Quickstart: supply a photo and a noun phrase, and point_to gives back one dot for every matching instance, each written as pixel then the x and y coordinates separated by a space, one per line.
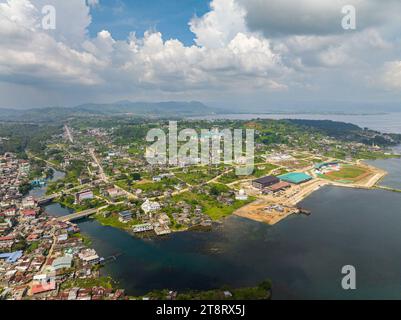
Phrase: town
pixel 101 172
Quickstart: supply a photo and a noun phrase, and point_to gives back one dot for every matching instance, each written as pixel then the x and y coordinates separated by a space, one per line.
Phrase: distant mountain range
pixel 121 108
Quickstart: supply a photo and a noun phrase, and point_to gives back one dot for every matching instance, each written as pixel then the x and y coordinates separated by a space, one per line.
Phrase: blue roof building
pixel 11 257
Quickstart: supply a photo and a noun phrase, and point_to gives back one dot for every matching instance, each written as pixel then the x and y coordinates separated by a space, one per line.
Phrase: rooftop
pixel 295 177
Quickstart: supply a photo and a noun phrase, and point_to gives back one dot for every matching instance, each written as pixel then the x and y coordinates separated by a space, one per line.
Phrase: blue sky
pixel 170 17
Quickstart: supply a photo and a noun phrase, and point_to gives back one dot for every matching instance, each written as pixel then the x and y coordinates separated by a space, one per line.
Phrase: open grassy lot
pixel 259 171
pixel 105 282
pixel 197 176
pixel 213 208
pixel 347 174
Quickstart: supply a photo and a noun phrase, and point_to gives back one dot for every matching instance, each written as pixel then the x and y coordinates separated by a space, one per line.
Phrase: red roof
pixel 7 238
pixel 29 212
pixel 40 288
pixel 32 237
pixel 279 186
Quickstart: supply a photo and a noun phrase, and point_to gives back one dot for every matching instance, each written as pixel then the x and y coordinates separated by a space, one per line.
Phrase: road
pixel 102 174
pixel 68 134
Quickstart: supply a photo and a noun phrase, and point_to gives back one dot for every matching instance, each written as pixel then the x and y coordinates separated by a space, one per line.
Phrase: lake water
pixel 386 122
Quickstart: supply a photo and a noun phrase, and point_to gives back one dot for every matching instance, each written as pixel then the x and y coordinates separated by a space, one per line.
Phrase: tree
pixel 136 176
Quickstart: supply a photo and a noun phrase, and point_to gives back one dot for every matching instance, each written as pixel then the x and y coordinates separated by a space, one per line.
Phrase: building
pixel 242 196
pixel 62 237
pixel 265 182
pixel 28 202
pixel 84 195
pixel 282 185
pixel 142 228
pixel 44 288
pixel 114 192
pixel 125 216
pixel 150 206
pixel 7 241
pixel 62 263
pixel 12 257
pixel 89 256
pixel 295 177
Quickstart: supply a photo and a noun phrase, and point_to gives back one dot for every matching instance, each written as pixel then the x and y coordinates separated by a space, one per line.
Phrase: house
pixel 265 182
pixel 142 227
pixel 11 212
pixel 12 257
pixel 28 202
pixel 4 227
pixel 7 241
pixel 43 288
pixel 62 263
pixel 89 256
pixel 150 206
pixel 29 213
pixel 125 216
pixel 242 196
pixel 114 192
pixel 62 237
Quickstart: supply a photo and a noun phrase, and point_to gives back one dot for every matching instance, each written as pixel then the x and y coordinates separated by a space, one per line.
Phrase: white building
pixel 89 256
pixel 28 202
pixel 150 206
pixel 241 195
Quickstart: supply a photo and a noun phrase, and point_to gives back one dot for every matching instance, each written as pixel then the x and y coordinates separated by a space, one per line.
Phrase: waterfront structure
pixel 142 228
pixel 89 256
pixel 125 216
pixel 265 182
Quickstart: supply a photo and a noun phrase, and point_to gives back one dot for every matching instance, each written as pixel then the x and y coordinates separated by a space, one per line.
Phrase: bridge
pixel 46 199
pixel 78 215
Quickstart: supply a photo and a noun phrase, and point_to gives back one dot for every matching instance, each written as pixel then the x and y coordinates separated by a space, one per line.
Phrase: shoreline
pixel 288 205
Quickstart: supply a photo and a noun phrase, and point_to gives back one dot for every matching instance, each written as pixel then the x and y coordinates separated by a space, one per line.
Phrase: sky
pixel 243 55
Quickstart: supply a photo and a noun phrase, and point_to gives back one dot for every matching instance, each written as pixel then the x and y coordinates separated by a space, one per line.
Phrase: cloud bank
pixel 254 49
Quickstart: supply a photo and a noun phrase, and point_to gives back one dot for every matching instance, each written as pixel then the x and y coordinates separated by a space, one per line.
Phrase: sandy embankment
pixel 260 210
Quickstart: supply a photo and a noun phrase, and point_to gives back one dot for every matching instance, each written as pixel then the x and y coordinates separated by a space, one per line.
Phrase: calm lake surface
pixel 302 255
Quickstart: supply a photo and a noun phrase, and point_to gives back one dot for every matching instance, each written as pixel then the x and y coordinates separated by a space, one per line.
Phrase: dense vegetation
pixel 259 292
pixel 349 132
pixel 18 138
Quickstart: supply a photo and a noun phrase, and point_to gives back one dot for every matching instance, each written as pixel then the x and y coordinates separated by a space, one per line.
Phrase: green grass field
pixel 349 173
pixel 213 208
